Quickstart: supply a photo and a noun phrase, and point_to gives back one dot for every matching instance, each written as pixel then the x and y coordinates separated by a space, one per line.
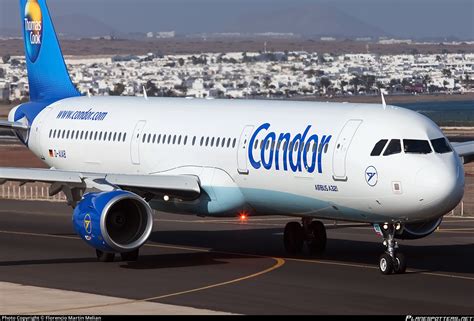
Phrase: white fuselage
pixel 337 179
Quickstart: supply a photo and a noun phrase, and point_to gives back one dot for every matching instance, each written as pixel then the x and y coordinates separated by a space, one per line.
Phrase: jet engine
pixel 419 230
pixel 117 221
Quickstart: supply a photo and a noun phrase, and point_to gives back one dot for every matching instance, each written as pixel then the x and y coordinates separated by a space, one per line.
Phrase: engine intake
pixel 117 221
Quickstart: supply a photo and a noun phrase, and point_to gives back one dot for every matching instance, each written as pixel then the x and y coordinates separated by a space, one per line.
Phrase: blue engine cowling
pixel 117 221
pixel 414 231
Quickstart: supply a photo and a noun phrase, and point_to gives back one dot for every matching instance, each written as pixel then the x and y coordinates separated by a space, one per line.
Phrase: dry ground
pixel 87 47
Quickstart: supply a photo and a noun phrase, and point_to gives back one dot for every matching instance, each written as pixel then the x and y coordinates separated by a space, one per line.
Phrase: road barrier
pixel 29 192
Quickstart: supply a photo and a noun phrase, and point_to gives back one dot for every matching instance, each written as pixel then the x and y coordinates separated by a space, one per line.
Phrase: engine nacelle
pixel 419 230
pixel 117 221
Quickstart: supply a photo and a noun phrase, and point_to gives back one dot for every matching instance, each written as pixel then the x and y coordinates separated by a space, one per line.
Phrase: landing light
pixel 243 217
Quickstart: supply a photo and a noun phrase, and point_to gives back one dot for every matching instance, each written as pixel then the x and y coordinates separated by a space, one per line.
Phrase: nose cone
pixel 441 185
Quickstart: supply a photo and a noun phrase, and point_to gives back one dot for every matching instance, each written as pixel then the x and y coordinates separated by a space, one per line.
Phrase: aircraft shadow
pixel 161 261
pixel 456 258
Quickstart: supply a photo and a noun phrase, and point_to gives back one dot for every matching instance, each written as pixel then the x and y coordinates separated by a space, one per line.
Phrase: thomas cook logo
pixel 33 29
pixel 88 224
pixel 371 176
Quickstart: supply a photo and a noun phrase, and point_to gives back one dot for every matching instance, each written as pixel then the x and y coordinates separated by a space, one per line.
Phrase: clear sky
pixel 401 18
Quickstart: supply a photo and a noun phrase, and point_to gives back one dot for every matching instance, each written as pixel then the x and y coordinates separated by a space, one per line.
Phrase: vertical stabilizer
pixel 48 77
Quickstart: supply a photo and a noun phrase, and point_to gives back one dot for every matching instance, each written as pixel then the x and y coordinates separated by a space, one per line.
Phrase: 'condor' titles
pixel 284 152
pixel 33 29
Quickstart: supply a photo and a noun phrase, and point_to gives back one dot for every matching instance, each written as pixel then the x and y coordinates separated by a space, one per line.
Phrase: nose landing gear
pixel 391 261
pixel 312 233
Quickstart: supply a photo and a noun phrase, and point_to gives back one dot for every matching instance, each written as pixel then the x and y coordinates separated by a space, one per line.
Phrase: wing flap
pixel 39 175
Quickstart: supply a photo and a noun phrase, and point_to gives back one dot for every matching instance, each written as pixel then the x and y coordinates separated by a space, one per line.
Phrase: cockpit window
pixel 441 146
pixel 379 147
pixel 393 147
pixel 415 146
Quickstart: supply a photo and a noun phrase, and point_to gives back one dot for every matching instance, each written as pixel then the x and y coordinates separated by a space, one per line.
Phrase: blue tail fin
pixel 47 73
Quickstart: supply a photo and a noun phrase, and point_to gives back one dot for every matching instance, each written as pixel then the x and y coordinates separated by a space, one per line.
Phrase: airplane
pixel 119 158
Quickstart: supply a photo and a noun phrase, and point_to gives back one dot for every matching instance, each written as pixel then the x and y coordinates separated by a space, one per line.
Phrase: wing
pixel 465 150
pixel 73 184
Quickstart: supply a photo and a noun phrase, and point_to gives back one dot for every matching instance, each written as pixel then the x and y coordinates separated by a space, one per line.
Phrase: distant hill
pixel 310 20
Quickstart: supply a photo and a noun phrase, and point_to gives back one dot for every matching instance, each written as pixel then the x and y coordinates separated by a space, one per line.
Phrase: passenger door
pixel 342 146
pixel 135 142
pixel 242 150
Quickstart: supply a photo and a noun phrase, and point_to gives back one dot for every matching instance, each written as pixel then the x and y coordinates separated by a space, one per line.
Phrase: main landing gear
pixel 391 261
pixel 312 233
pixel 109 257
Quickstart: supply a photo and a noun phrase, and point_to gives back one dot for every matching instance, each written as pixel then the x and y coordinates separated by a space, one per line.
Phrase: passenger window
pixel 100 136
pixel 110 136
pixel 54 133
pixel 228 142
pixel 153 141
pixel 194 140
pixel 235 142
pixel 164 139
pixel 185 140
pixel 174 139
pixel 159 139
pixel 218 141
pixel 393 147
pixel 415 146
pixel 179 140
pixel 207 141
pixel 143 138
pixel 212 142
pixel 441 145
pixel 378 148
pixel 119 137
pixel 256 144
pixel 77 135
pixel 64 133
pixel 326 147
pixel 169 139
pixel 148 141
pixel 95 135
pixel 115 136
pixel 124 136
